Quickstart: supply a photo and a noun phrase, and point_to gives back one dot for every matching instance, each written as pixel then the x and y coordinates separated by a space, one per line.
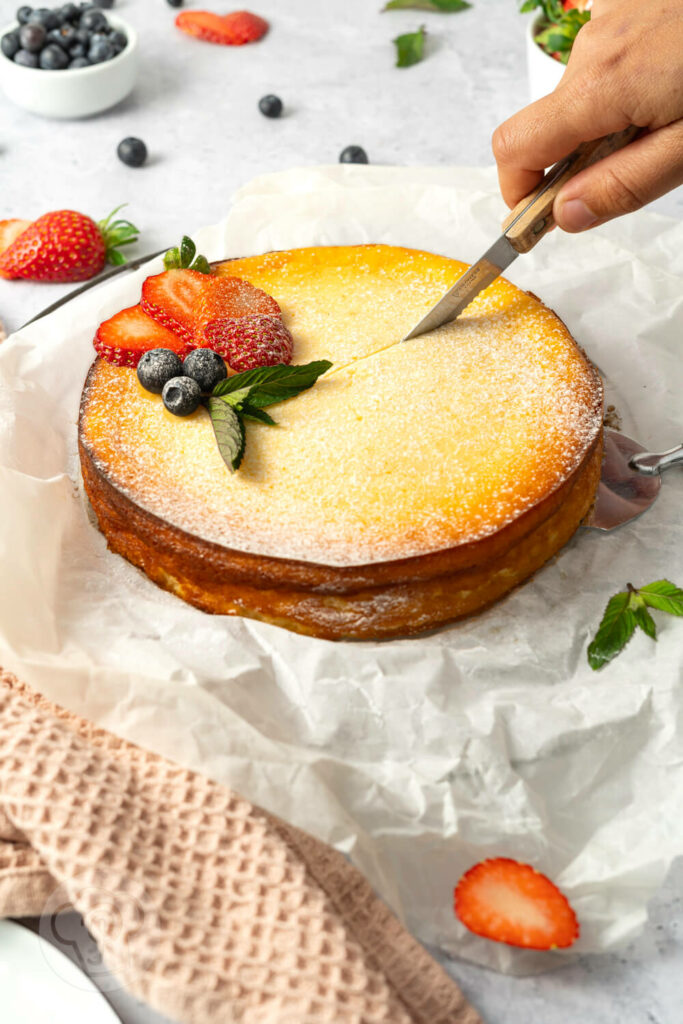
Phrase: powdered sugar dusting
pixel 404 448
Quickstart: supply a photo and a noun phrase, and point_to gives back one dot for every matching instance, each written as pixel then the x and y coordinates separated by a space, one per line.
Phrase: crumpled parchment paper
pixel 415 757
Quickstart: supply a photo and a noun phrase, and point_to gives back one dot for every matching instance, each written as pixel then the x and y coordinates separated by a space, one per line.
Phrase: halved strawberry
pixel 126 336
pixel 510 902
pixel 228 297
pixel 230 29
pixel 171 299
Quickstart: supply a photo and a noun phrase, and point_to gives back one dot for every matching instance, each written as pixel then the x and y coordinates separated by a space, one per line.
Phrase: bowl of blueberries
pixel 68 61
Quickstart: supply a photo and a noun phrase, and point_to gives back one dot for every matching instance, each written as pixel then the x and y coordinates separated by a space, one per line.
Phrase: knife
pixel 530 220
pixel 93 283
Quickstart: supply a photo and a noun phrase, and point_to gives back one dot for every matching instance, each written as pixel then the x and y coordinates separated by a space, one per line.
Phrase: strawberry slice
pixel 9 231
pixel 246 342
pixel 228 297
pixel 510 902
pixel 234 29
pixel 171 298
pixel 126 336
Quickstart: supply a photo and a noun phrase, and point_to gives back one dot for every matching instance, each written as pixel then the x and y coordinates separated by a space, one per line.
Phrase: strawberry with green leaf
pixel 67 246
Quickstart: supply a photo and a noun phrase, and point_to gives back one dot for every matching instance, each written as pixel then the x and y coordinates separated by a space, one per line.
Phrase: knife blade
pixel 530 220
pixel 134 264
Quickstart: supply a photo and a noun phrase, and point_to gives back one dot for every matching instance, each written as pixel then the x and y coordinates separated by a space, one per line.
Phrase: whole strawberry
pixel 66 246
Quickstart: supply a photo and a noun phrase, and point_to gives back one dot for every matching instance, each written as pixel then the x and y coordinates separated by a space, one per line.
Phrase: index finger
pixel 545 132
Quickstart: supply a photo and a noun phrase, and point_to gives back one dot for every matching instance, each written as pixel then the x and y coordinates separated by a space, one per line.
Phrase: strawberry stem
pixel 117 233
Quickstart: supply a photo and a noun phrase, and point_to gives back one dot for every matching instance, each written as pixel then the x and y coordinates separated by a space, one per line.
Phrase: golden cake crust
pixel 417 482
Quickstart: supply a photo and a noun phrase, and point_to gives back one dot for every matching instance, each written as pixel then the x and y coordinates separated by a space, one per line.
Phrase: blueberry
pixel 53 58
pixel 64 36
pixel 181 395
pixel 270 106
pixel 67 13
pixel 23 14
pixel 83 37
pixel 32 37
pixel 77 50
pixel 42 16
pixel 157 367
pixel 132 152
pixel 106 4
pixel 206 367
pixel 9 44
pixel 119 41
pixel 100 51
pixel 79 62
pixel 174 3
pixel 353 155
pixel 26 58
pixel 94 21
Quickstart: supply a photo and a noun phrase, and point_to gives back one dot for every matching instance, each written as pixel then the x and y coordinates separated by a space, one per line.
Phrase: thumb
pixel 624 181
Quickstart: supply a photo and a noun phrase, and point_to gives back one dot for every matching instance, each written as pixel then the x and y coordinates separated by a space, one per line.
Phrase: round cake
pixel 417 482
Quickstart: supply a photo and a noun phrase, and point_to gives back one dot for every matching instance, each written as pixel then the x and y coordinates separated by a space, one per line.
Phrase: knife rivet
pixel 538 226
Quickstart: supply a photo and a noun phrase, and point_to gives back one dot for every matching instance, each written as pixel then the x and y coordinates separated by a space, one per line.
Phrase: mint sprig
pixel 181 257
pixel 447 6
pixel 410 48
pixel 244 396
pixel 627 611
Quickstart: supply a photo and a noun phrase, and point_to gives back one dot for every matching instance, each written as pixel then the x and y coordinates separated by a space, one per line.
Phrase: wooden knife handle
pixel 532 217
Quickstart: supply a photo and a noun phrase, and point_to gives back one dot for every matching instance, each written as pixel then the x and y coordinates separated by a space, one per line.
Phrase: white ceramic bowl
pixel 77 92
pixel 543 70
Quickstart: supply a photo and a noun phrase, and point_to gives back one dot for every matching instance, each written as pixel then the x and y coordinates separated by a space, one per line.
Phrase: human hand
pixel 626 67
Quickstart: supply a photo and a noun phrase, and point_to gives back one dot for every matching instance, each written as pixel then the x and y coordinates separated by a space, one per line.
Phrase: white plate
pixel 38 982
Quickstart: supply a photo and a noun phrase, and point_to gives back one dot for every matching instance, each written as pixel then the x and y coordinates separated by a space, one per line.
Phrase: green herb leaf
pixel 446 6
pixel 187 251
pixel 271 384
pixel 229 430
pixel 180 258
pixel 616 629
pixel 172 259
pixel 410 48
pixel 201 265
pixel 663 595
pixel 252 412
pixel 627 610
pixel 645 621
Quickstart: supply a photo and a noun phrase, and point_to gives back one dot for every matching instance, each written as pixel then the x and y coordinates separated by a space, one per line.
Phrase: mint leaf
pixel 410 48
pixel 252 412
pixel 645 621
pixel 201 265
pixel 269 385
pixel 614 632
pixel 180 257
pixel 663 595
pixel 229 430
pixel 172 259
pixel 427 5
pixel 187 251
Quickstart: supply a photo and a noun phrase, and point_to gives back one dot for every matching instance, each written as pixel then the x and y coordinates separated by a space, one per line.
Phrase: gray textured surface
pixel 196 108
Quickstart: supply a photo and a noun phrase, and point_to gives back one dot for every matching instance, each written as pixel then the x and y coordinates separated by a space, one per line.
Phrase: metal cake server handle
pixel 654 463
pixel 93 283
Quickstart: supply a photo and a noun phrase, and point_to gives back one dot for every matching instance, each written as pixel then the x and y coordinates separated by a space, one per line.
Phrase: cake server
pixel 530 220
pixel 630 480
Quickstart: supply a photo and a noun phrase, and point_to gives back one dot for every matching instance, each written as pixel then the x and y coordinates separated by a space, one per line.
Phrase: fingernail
pixel 576 216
